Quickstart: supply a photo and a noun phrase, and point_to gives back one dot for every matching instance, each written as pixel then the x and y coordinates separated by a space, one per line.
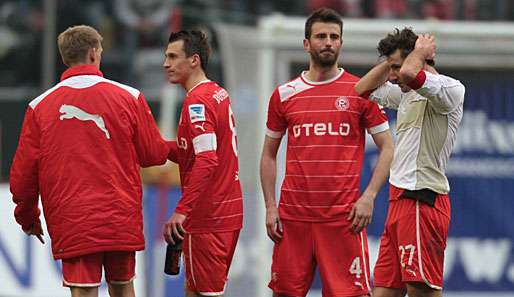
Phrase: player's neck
pixel 320 73
pixel 193 80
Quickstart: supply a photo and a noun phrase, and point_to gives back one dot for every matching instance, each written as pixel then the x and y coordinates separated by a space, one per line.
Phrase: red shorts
pixel 207 258
pixel 411 227
pixel 342 257
pixel 86 270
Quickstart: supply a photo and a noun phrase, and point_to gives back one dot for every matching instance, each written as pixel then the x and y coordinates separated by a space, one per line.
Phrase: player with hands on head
pixel 209 215
pixel 429 110
pixel 322 215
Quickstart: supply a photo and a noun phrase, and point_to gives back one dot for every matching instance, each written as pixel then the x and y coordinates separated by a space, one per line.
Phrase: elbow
pixel 359 88
pixel 157 161
pixel 386 147
pixel 387 150
pixel 407 74
pixel 207 159
pixel 267 158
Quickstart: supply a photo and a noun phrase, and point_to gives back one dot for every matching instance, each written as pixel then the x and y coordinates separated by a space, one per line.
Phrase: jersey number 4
pixel 355 268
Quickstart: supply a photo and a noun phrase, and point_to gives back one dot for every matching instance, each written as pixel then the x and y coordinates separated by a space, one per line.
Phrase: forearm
pixel 381 171
pixel 268 180
pixel 198 182
pixel 414 62
pixel 376 77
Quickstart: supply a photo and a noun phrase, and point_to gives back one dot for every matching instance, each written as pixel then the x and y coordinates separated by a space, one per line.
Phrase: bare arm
pixel 375 86
pixel 362 210
pixel 376 77
pixel 268 182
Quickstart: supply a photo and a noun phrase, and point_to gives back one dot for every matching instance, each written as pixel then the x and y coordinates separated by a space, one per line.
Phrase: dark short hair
pixel 322 15
pixel 195 42
pixel 403 40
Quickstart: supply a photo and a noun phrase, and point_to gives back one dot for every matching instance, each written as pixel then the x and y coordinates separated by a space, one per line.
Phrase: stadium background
pixel 257 44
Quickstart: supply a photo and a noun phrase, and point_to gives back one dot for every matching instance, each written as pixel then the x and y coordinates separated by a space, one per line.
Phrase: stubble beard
pixel 324 62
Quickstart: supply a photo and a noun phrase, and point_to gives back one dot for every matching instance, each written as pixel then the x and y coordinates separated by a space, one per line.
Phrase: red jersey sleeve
pixel 276 123
pixel 374 118
pixel 202 121
pixel 151 148
pixel 24 178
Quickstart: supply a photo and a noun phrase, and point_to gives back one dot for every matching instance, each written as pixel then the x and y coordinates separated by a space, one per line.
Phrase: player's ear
pixel 306 45
pixel 195 60
pixel 91 55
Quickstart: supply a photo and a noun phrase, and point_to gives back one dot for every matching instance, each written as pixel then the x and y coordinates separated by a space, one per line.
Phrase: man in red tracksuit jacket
pixel 81 148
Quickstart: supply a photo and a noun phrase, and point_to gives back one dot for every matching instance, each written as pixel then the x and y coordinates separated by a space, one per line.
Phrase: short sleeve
pixel 444 93
pixel 276 124
pixel 374 118
pixel 202 121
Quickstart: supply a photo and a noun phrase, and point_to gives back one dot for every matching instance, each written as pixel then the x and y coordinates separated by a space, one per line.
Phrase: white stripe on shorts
pixel 191 258
pixel 420 262
pixel 364 262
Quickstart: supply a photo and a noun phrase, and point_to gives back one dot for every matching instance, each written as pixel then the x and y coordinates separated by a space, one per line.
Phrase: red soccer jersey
pixel 207 124
pixel 326 123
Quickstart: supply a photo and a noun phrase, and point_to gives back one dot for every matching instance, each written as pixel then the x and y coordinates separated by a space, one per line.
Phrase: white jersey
pixel 427 121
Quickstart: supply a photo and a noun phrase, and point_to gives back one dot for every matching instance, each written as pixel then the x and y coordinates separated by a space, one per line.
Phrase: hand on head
pixel 426 44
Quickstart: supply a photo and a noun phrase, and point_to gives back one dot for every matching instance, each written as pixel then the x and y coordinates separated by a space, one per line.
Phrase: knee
pixel 419 289
pixel 282 295
pixel 122 290
pixel 84 291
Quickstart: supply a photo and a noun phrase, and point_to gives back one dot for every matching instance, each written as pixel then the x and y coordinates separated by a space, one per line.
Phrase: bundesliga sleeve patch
pixel 197 113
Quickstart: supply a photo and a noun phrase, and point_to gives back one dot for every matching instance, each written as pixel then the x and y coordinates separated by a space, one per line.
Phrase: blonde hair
pixel 75 42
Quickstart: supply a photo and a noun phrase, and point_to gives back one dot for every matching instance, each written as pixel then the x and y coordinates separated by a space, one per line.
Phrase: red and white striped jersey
pixel 207 125
pixel 326 123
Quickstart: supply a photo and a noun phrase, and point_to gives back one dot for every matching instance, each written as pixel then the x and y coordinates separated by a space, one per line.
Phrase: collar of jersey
pixel 310 82
pixel 199 83
pixel 84 69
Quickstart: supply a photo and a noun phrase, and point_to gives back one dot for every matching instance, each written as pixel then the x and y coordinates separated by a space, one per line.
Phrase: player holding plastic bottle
pixel 209 215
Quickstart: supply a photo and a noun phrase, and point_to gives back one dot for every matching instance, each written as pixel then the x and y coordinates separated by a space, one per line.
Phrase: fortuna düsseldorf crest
pixel 342 103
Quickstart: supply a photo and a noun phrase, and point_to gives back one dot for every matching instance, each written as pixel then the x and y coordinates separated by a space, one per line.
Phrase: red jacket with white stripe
pixel 81 147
